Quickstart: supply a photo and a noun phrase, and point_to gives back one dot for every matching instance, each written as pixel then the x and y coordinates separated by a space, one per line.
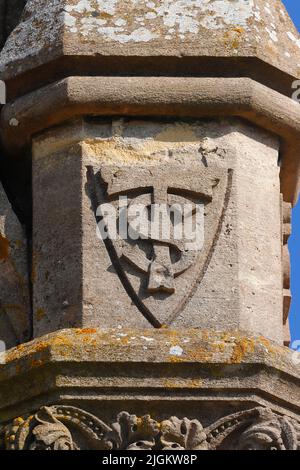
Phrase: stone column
pixel 186 104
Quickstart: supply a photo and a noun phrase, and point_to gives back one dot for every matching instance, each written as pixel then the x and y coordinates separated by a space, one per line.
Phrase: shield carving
pixel 171 218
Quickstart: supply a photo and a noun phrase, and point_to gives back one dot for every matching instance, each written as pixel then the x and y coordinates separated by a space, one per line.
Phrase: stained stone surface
pixel 85 383
pixel 114 27
pixel 72 428
pixel 14 285
pixel 81 281
pixel 152 37
pixel 149 344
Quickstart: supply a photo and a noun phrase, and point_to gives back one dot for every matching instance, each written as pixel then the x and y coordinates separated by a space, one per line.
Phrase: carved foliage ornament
pixel 70 428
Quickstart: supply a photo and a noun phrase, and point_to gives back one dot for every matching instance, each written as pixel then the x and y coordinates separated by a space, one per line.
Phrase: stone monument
pixel 148 342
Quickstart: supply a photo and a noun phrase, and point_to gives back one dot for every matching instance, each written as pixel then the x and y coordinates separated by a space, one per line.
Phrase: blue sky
pixel 293 7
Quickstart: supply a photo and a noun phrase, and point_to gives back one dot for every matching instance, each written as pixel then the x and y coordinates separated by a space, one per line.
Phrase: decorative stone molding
pixel 69 428
pixel 59 37
pixel 152 103
pixel 189 97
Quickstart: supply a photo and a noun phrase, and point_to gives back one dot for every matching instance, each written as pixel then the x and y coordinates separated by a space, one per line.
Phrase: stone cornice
pixel 75 97
pixel 201 361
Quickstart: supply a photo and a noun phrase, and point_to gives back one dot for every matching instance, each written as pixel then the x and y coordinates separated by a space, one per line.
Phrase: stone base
pixel 96 389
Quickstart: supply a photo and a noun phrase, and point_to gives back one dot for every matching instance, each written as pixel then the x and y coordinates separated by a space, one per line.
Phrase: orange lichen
pixel 241 348
pixel 213 349
pixel 18 421
pixel 232 38
pixel 199 354
pixel 188 383
pixel 85 331
pixel 238 30
pixel 176 359
pixel 36 363
pixel 105 15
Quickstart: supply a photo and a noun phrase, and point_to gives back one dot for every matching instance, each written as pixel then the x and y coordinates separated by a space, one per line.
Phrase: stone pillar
pixel 79 279
pixel 159 104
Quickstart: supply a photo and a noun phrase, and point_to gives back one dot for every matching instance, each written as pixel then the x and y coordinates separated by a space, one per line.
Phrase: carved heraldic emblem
pixel 160 267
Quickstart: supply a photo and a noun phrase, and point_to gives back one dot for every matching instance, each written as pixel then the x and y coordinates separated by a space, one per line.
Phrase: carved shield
pixel 160 273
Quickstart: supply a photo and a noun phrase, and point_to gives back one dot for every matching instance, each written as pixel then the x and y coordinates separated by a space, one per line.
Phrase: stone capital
pixel 91 378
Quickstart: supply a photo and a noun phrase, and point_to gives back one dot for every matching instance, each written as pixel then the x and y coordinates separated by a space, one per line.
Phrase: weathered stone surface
pixel 171 29
pixel 193 375
pixel 165 346
pixel 177 97
pixel 14 284
pixel 77 280
pixel 254 429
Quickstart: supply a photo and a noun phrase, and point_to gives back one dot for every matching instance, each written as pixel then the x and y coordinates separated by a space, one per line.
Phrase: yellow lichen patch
pixel 172 336
pixel 176 359
pixel 199 354
pixel 36 363
pixel 232 38
pixel 144 425
pixel 188 383
pixel 18 421
pixel 85 331
pixel 238 30
pixel 214 349
pixel 241 348
pixel 271 348
pixel 206 335
pixel 220 346
pixel 194 383
pixel 4 248
pixel 37 346
pixel 61 340
pixel 105 15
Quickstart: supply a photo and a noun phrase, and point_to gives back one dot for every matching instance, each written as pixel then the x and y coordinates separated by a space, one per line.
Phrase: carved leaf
pixel 50 434
pixel 183 434
pixel 290 433
pixel 254 429
pixel 266 433
pixel 133 433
